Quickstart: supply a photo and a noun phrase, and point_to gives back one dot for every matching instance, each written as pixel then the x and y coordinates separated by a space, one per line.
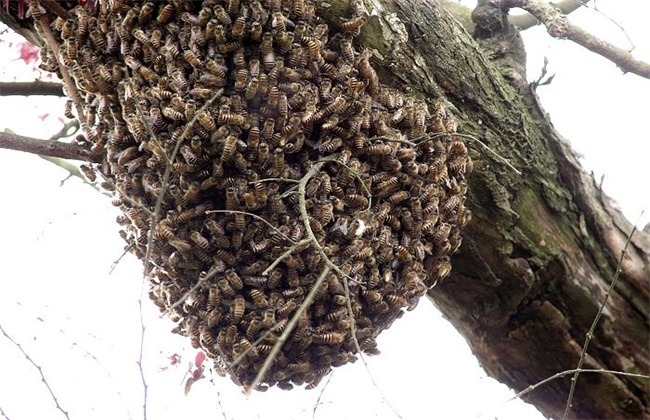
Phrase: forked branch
pixel 559 26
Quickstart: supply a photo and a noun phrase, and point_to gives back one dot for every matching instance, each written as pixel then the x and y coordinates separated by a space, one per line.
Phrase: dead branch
pixel 35 88
pixel 559 26
pixel 50 148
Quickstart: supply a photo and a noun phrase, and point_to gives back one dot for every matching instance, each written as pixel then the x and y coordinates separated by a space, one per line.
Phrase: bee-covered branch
pixel 36 88
pixel 52 148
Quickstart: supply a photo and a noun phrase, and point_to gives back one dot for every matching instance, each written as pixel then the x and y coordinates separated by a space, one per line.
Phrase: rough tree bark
pixel 543 246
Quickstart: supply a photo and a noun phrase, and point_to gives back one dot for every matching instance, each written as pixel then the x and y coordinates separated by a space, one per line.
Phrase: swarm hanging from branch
pixel 267 179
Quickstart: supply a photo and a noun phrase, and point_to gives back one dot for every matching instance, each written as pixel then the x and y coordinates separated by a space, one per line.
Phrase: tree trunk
pixel 542 248
pixel 543 245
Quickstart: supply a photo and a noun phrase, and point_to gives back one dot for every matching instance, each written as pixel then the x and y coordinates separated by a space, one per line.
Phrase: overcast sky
pixel 81 324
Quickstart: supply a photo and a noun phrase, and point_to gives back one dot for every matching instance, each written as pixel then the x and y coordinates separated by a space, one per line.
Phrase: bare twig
pixel 145 387
pixel 321 278
pixel 563 374
pixel 117 261
pixel 358 348
pixel 93 357
pixel 223 411
pixel 615 23
pixel 288 329
pixel 320 396
pixel 590 334
pixel 263 220
pixel 167 175
pixel 40 372
pixel 285 254
pixel 558 26
pixel 2 412
pixel 187 294
pixel 418 140
pixel 51 148
pixel 71 88
pixel 36 88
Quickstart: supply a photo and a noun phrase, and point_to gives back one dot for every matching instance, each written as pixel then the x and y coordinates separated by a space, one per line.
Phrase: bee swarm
pixel 384 195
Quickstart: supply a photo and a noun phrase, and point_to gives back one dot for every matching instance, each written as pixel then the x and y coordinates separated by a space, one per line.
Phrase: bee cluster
pixel 219 110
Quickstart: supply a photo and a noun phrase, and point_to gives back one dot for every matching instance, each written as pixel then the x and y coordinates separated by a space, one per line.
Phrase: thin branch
pixel 36 88
pixel 40 372
pixel 358 348
pixel 167 175
pixel 56 8
pixel 2 412
pixel 320 396
pixel 288 329
pixel 562 374
pixel 71 88
pixel 145 387
pixel 50 148
pixel 590 334
pixel 526 20
pixel 558 26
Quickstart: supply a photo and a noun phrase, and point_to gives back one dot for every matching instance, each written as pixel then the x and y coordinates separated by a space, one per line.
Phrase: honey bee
pixel 36 9
pixel 206 121
pixel 192 59
pixel 214 297
pixel 328 338
pixel 286 309
pixel 179 81
pixel 196 36
pixel 217 67
pixel 353 25
pixel 173 114
pixel 269 318
pixel 402 253
pixel 68 110
pixel 200 240
pixel 98 39
pixel 222 16
pixel 226 289
pixel 88 172
pixel 356 200
pixel 398 197
pixel 68 28
pixel 238 27
pixel 259 300
pixel 240 221
pixel 226 256
pixel 442 234
pixel 230 118
pixel 366 70
pixel 347 51
pixel 312 44
pixel 238 309
pixel 165 14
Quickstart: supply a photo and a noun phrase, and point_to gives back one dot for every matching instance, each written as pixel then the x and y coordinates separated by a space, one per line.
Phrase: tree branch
pixel 47 148
pixel 526 20
pixel 558 26
pixel 31 88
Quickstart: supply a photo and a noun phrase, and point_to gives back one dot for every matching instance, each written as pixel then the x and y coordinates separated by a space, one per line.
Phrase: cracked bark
pixel 542 247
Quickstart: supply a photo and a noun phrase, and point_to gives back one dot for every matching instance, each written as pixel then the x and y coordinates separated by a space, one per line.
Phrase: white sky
pixel 81 325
